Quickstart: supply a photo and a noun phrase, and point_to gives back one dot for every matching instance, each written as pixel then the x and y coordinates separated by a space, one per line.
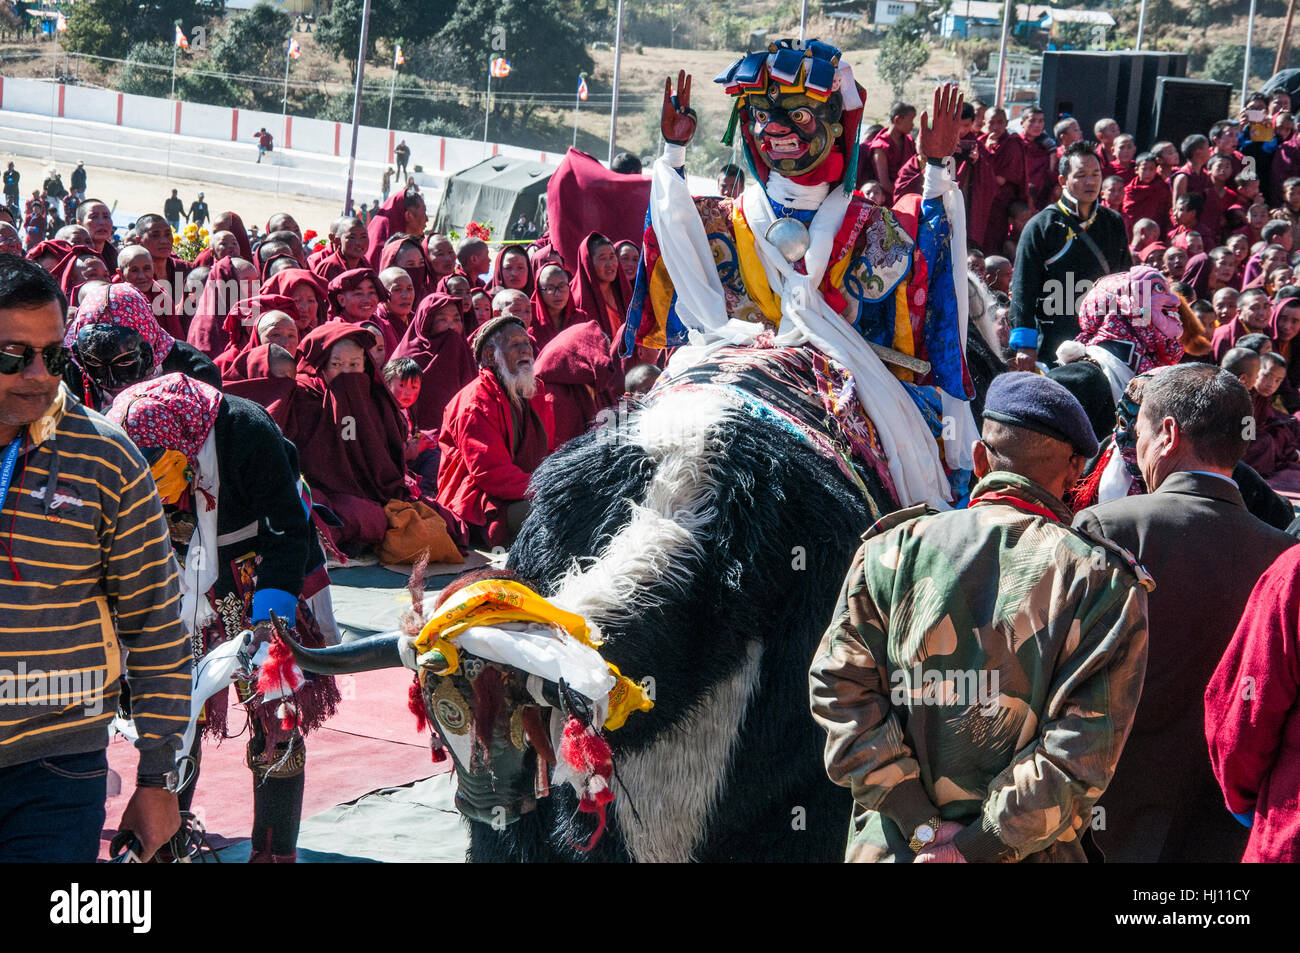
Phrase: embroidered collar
pixel 1067 204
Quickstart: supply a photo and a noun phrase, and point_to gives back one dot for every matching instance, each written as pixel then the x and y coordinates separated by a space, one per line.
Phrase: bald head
pixel 283 222
pixel 73 235
pixel 513 302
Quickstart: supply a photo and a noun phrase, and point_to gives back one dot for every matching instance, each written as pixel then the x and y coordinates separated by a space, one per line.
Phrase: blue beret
pixel 1038 403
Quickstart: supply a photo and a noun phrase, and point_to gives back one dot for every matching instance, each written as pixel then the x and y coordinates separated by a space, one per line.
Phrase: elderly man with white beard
pixel 495 432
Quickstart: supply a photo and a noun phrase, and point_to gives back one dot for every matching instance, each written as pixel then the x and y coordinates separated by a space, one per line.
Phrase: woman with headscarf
pixel 225 472
pixel 308 293
pixel 512 270
pixel 458 286
pixel 116 341
pixel 435 340
pixel 405 252
pixel 403 212
pixel 600 289
pixel 553 308
pixel 352 441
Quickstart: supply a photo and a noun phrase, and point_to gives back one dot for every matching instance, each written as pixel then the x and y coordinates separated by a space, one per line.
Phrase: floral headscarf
pixel 1136 307
pixel 173 412
pixel 122 305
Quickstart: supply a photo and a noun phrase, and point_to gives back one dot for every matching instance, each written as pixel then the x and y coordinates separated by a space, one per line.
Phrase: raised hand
pixel 938 138
pixel 677 123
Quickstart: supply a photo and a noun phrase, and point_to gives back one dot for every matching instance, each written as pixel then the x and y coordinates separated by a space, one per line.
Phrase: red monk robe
pixel 1151 200
pixel 581 376
pixel 486 464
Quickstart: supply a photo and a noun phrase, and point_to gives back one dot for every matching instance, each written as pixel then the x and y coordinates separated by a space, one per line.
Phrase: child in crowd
pixel 402 378
pixel 1243 364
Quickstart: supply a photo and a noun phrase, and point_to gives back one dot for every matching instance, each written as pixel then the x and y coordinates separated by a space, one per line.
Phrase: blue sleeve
pixel 1024 337
pixel 943 343
pixel 1246 820
pixel 283 604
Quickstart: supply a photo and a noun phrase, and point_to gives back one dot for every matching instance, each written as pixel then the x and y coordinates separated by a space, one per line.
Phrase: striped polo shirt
pixel 88 583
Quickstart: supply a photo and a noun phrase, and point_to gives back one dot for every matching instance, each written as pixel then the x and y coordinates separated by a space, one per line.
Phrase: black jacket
pixel 1205 552
pixel 259 509
pixel 1055 268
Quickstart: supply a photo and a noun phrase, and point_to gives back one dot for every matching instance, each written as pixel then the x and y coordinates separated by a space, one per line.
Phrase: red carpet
pixel 370 744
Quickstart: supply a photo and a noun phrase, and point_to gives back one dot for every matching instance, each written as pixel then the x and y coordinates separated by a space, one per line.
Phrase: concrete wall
pixel 434 153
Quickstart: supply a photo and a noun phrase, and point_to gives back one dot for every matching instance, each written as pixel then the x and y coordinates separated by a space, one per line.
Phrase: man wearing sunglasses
pixel 86 569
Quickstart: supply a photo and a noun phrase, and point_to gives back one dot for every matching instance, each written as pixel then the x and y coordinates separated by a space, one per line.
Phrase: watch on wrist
pixel 167 781
pixel 925 834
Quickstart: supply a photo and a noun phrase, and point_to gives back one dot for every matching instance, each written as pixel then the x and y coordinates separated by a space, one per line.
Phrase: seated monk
pixel 495 432
pixel 400 306
pixel 231 280
pixel 553 308
pixel 405 252
pixel 600 289
pixel 347 249
pixel 352 442
pixel 262 319
pixel 308 293
pixel 354 296
pixel 581 376
pixel 435 340
pixel 513 270
pixel 265 375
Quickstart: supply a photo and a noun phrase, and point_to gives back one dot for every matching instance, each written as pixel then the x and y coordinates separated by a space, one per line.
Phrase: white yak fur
pixel 674 784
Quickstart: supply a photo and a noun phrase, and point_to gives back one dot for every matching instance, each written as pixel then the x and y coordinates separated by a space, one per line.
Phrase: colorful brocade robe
pixel 890 276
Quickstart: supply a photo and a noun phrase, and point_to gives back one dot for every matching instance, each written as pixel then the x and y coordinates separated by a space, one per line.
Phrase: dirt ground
pixel 136 193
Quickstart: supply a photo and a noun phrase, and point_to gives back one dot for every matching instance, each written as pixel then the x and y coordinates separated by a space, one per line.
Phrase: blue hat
pixel 1038 403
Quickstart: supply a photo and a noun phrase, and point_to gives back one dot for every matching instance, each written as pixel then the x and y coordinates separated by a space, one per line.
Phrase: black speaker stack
pixel 1147 93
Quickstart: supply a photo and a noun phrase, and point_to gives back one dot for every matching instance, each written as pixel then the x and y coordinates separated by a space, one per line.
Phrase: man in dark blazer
pixel 1193 534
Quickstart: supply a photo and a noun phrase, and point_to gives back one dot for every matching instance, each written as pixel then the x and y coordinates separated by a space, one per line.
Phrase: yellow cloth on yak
pixel 493 601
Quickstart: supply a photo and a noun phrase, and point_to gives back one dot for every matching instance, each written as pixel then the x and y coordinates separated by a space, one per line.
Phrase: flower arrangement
pixel 480 230
pixel 190 242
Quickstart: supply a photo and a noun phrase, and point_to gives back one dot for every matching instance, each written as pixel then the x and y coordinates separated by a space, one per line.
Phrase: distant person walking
pixel 199 213
pixel 11 179
pixel 173 209
pixel 78 180
pixel 265 142
pixel 403 156
pixel 386 183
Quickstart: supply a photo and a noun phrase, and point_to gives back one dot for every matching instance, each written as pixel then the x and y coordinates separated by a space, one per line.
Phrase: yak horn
pixel 361 655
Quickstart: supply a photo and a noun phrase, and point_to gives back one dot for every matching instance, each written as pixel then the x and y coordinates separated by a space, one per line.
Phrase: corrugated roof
pixel 982 10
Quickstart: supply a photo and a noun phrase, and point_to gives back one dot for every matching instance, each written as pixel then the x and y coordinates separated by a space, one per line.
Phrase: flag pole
pixel 1000 97
pixel 487 107
pixel 174 47
pixel 284 108
pixel 576 101
pixel 618 56
pixel 392 87
pixel 356 103
pixel 1250 41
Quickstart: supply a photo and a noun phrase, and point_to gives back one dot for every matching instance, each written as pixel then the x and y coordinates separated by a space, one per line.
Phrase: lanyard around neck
pixel 7 468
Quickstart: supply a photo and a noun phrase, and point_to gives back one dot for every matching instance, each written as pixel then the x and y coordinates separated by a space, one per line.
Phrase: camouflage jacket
pixel 983 666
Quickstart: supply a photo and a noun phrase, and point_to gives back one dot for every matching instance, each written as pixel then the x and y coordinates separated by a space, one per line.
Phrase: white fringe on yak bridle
pixel 670 789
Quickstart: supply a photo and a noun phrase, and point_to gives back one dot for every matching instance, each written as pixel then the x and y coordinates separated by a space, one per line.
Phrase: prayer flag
pixel 61 23
pixel 500 68
pixel 181 40
pixel 295 48
pixel 582 88
pixel 398 58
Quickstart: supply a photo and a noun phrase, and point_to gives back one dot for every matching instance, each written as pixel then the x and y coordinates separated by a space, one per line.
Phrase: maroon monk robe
pixel 220 293
pixel 350 435
pixel 389 220
pixel 249 376
pixel 1040 173
pixel 1151 200
pixel 288 282
pixel 583 196
pixel 419 279
pixel 489 450
pixel 241 325
pixel 497 283
pixel 204 259
pixel 896 154
pixel 581 376
pixel 543 330
pixel 1008 153
pixel 585 296
pixel 446 362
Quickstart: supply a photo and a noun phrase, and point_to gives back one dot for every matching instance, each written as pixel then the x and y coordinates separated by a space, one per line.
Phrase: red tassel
pixel 584 750
pixel 278 670
pixel 415 702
